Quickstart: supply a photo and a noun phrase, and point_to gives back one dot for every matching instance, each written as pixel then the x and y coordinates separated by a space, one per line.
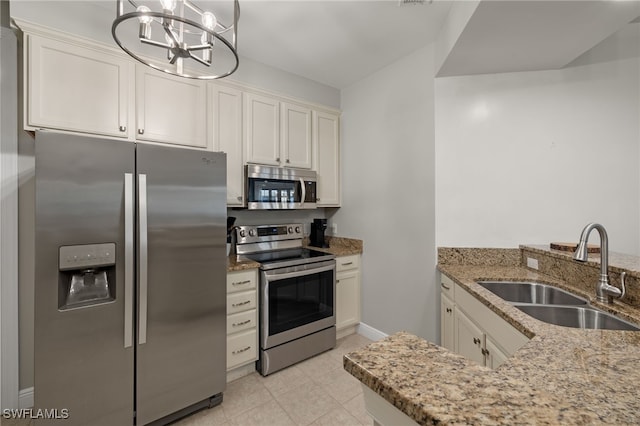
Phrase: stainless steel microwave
pixel 277 188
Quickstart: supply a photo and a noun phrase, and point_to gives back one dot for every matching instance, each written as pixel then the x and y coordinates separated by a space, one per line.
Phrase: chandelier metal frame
pixel 176 48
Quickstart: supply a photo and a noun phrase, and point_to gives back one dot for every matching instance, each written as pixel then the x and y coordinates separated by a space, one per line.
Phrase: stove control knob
pixel 291 229
pixel 243 233
pixel 297 229
pixel 252 233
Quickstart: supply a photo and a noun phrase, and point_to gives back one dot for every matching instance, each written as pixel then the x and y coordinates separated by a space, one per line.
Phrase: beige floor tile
pixel 319 365
pixel 306 403
pixel 15 422
pixel 212 417
pixel 268 414
pixel 341 385
pixel 337 417
pixel 355 407
pixel 243 395
pixel 284 380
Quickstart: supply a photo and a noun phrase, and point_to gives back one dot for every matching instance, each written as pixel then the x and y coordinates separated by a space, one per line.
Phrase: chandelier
pixel 178 37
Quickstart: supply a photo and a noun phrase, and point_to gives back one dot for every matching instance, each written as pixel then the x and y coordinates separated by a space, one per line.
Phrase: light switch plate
pixel 532 263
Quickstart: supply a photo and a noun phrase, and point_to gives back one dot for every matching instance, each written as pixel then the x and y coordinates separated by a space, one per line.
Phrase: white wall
pixel 532 157
pixel 388 193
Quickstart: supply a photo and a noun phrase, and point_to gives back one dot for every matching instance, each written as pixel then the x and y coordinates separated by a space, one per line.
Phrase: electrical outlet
pixel 532 263
pixel 334 229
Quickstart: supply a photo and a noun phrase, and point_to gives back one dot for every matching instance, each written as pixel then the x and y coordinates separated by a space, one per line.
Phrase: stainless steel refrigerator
pixel 130 291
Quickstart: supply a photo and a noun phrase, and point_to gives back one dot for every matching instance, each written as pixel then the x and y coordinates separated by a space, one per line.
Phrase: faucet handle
pixel 623 275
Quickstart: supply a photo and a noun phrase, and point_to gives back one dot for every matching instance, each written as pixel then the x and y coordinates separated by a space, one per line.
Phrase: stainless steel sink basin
pixel 527 292
pixel 576 317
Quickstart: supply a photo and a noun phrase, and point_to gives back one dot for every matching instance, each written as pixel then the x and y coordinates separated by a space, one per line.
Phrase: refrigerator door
pixel 181 339
pixel 82 363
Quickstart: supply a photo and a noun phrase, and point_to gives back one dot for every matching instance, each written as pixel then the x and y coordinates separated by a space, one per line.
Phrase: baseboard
pixel 25 398
pixel 370 332
pixel 239 372
pixel 347 331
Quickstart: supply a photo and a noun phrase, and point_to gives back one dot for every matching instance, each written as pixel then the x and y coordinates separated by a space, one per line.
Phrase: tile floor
pixel 314 392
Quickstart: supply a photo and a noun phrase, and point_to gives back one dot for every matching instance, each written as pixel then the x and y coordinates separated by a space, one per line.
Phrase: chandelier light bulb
pixel 209 20
pixel 168 4
pixel 144 19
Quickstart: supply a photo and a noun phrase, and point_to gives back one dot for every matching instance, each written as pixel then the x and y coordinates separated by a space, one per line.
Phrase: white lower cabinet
pixel 242 318
pixel 447 310
pixel 476 331
pixel 347 294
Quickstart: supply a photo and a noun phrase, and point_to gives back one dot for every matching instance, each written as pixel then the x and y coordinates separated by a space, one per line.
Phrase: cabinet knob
pixel 317 199
pixel 278 159
pixel 288 160
pixel 485 352
pixel 476 341
pixel 239 198
pixel 123 128
pixel 449 310
pixel 141 131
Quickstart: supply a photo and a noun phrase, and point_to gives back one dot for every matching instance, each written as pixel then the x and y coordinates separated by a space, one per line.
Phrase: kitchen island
pixel 561 376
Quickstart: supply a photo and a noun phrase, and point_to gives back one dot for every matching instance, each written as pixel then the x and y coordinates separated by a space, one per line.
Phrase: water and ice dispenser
pixel 87 275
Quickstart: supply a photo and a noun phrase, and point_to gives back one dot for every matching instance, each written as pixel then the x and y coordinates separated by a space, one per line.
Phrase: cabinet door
pixel 447 331
pixel 227 137
pixel 77 89
pixel 296 135
pixel 347 298
pixel 494 356
pixel 326 158
pixel 170 109
pixel 469 338
pixel 262 130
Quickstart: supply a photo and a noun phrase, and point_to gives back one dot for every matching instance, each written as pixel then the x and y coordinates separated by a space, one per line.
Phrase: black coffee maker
pixel 317 233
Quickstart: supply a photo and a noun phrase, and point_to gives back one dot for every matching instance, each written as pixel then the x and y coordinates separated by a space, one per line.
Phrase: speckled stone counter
pixel 561 376
pixel 240 263
pixel 340 246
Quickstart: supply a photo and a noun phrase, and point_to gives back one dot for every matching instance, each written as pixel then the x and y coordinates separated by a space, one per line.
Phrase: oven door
pixel 296 301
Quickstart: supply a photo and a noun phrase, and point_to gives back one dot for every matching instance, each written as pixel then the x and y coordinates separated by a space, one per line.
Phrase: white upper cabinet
pixel 171 109
pixel 277 133
pixel 76 88
pixel 227 137
pixel 262 129
pixel 296 135
pixel 326 157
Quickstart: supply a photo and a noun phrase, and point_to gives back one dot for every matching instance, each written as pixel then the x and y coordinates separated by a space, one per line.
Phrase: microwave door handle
pixel 304 191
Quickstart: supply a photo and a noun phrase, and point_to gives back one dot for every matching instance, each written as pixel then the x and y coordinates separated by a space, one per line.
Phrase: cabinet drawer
pixel 242 348
pixel 240 281
pixel 447 286
pixel 345 263
pixel 238 302
pixel 241 321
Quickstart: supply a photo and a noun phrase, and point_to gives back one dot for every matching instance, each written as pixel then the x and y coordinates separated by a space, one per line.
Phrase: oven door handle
pixel 285 275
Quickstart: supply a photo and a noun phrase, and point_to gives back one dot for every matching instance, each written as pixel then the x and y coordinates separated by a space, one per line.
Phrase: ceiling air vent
pixel 409 2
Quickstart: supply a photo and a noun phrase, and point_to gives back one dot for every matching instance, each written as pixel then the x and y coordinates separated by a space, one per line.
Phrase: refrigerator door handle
pixel 128 260
pixel 142 264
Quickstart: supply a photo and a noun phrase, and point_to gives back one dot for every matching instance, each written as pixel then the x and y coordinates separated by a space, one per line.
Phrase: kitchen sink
pixel 527 292
pixel 576 317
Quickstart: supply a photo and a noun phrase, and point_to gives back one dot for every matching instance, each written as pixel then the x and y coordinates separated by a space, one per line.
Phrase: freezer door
pixel 82 362
pixel 182 279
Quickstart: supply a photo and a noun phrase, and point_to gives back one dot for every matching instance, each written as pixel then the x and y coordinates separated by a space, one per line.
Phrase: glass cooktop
pixel 288 257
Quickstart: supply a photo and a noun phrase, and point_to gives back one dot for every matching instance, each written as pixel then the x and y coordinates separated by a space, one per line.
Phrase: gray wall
pixel 388 193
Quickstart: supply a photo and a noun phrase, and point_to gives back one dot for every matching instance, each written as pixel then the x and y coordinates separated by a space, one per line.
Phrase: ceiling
pixel 338 42
pixel 531 35
pixel 334 42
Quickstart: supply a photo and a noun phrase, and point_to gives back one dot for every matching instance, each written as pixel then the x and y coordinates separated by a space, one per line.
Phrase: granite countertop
pixel 562 375
pixel 338 246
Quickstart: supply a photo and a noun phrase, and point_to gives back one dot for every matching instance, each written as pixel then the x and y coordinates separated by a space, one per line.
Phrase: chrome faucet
pixel 604 291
